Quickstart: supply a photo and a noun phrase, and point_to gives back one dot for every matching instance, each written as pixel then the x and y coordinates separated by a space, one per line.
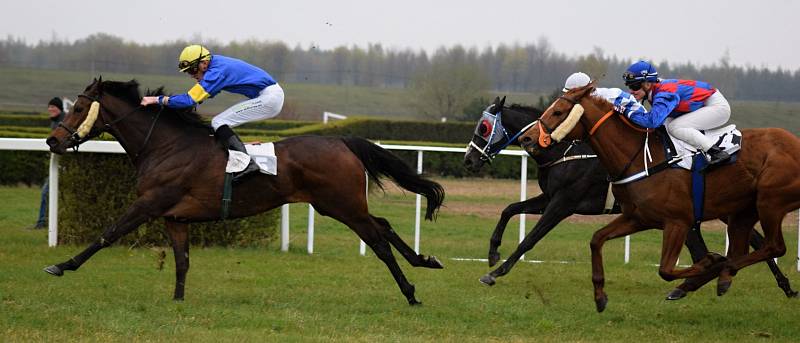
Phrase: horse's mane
pixel 129 92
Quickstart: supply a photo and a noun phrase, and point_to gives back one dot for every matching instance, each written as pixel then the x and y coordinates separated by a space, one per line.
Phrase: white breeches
pixel 715 112
pixel 267 105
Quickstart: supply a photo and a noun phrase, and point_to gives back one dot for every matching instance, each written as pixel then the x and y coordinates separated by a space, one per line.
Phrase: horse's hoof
pixel 487 280
pixel 414 302
pixel 494 257
pixel 791 294
pixel 434 263
pixel 54 270
pixel 676 294
pixel 601 303
pixel 722 287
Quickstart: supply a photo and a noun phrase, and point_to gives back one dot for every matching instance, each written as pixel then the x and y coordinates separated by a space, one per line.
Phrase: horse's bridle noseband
pixel 77 140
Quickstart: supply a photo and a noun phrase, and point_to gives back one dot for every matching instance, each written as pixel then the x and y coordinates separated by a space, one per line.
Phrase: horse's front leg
pixel 620 226
pixel 143 209
pixel 535 205
pixel 560 207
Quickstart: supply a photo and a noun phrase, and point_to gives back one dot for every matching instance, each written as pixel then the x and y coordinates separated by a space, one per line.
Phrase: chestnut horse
pixel 572 180
pixel 180 172
pixel 762 185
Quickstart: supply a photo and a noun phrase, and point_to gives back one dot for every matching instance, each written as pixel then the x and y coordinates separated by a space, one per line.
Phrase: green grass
pixel 337 295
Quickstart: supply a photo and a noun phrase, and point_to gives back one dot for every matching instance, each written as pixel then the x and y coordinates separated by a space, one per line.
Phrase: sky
pixel 751 33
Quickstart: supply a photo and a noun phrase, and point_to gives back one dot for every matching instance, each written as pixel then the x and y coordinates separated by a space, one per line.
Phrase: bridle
pixel 488 152
pixel 544 130
pixel 76 138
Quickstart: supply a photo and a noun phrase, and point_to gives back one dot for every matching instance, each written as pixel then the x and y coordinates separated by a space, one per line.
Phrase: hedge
pixel 95 189
pixel 28 167
pixel 384 129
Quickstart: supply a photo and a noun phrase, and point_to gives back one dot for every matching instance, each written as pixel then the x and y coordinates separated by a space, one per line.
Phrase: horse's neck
pixel 167 134
pixel 620 148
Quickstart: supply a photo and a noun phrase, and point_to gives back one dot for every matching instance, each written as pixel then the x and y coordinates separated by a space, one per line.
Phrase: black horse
pixel 572 180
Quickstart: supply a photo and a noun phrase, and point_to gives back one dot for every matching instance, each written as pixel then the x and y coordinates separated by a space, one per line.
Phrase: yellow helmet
pixel 191 56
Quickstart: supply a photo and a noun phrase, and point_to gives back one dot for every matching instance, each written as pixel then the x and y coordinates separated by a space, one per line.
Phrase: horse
pixel 572 180
pixel 761 185
pixel 180 172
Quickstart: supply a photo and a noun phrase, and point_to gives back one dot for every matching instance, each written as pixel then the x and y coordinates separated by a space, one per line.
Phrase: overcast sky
pixel 757 33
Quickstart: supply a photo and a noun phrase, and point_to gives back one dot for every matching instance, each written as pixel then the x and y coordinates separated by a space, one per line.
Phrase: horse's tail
pixel 380 162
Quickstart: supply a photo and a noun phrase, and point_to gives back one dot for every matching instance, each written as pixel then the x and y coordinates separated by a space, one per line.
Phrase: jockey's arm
pixel 663 104
pixel 208 87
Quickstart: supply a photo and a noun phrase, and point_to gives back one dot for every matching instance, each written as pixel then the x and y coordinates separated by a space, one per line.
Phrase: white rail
pixel 28 144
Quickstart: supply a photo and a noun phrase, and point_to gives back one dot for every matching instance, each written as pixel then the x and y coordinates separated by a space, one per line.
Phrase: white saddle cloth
pixel 262 154
pixel 730 137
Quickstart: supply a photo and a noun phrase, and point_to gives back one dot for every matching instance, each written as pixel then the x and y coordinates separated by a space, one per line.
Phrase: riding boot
pixel 717 155
pixel 232 142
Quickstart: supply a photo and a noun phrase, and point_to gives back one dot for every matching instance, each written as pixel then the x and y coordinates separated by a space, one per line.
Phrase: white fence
pixel 114 147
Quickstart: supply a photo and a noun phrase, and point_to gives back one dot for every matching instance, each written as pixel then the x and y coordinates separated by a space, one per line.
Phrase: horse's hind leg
pixel 534 205
pixel 416 260
pixel 179 236
pixel 774 246
pixel 369 231
pixel 756 241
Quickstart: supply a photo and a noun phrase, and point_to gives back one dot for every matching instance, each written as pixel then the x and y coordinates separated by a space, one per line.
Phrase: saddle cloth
pixel 262 154
pixel 728 138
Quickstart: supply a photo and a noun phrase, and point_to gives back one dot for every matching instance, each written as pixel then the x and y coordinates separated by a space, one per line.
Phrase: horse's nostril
pixel 52 141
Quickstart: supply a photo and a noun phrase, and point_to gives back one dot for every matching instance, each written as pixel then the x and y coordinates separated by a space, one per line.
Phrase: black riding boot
pixel 231 141
pixel 717 155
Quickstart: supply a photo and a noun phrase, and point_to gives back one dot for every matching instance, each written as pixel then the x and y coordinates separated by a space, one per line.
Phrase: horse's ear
pixel 585 90
pixel 496 100
pixel 502 101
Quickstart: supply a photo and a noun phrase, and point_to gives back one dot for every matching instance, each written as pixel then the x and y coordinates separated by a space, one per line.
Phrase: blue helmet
pixel 639 72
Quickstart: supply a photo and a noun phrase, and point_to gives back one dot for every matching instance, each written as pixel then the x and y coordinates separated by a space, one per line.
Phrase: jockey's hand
pixel 149 100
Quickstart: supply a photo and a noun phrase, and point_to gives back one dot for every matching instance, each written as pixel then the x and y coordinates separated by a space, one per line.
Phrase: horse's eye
pixel 482 130
pixel 77 109
pixel 557 113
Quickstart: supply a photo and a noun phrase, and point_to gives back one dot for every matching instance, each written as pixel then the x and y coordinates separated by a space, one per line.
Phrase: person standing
pixel 55 111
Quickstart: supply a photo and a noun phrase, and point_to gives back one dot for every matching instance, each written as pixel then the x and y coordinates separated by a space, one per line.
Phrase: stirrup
pixel 717 155
pixel 251 167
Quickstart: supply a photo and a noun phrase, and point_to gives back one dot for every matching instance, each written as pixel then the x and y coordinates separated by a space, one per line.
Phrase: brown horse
pixel 761 185
pixel 180 172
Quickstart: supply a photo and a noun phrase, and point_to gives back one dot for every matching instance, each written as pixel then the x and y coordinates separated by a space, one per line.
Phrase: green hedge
pixel 95 189
pixel 384 129
pixel 28 167
pixel 34 120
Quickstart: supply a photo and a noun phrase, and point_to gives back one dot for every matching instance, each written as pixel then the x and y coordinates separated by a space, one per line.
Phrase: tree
pixel 446 89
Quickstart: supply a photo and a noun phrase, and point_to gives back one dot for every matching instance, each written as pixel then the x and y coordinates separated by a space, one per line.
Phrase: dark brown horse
pixel 761 185
pixel 180 171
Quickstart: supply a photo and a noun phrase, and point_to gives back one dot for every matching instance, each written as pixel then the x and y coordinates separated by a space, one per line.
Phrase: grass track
pixel 266 295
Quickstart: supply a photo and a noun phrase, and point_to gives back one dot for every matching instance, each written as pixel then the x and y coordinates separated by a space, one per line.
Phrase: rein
pixel 74 135
pixel 545 134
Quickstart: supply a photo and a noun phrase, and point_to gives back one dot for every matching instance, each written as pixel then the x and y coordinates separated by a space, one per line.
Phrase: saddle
pixel 728 138
pixel 262 154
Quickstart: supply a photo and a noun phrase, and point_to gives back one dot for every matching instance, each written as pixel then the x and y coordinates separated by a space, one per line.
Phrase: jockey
pixel 684 107
pixel 623 101
pixel 215 73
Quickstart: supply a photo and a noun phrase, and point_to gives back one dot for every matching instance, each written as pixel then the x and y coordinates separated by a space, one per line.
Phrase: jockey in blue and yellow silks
pixel 215 73
pixel 684 107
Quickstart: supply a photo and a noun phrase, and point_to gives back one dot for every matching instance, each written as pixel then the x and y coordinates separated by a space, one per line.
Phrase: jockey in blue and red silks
pixel 684 107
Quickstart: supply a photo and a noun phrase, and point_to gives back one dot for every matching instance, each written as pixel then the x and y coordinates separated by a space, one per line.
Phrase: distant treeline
pixel 532 67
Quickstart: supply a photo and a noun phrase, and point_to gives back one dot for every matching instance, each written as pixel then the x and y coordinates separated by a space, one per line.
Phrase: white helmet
pixel 576 80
